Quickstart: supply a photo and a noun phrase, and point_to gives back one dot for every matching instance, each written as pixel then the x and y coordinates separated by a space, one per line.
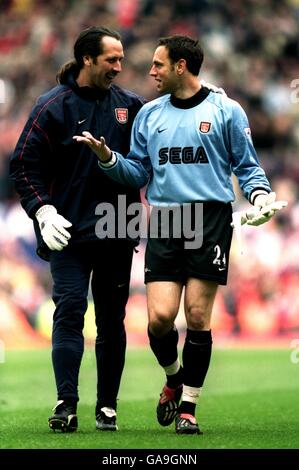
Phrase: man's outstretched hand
pixel 99 147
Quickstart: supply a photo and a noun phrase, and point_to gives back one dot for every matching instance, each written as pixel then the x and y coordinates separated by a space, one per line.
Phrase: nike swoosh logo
pixel 81 122
pixel 161 130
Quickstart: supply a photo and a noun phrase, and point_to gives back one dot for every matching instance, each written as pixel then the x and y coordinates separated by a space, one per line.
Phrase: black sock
pixel 165 348
pixel 196 357
pixel 173 381
pixel 187 407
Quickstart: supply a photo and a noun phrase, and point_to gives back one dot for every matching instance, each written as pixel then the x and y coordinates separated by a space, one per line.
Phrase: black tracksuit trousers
pixel 108 264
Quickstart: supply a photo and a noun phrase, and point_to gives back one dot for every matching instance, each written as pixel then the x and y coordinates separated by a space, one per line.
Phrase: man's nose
pixel 117 66
pixel 153 71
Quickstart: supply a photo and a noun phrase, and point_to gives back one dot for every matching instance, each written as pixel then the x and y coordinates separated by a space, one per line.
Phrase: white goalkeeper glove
pixel 265 206
pixel 52 227
pixel 263 210
pixel 212 87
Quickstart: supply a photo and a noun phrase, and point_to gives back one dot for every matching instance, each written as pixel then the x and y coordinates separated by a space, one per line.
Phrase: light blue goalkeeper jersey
pixel 187 150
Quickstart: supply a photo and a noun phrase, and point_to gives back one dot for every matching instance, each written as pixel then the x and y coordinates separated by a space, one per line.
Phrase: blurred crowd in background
pixel 252 51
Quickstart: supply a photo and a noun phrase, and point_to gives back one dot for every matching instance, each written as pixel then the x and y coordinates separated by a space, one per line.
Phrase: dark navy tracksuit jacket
pixel 48 167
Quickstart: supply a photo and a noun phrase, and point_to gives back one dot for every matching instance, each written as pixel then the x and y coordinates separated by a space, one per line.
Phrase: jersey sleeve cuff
pixel 109 163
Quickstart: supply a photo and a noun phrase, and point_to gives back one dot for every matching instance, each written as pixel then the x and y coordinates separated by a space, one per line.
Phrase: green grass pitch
pixel 250 401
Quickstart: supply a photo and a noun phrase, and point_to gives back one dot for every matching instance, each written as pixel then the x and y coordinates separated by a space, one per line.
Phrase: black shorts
pixel 175 256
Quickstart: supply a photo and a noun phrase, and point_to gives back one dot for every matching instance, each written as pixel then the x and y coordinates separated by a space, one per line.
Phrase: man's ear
pixel 87 60
pixel 180 66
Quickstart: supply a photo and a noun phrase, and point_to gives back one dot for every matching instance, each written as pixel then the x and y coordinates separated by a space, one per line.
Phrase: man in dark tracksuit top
pixel 60 185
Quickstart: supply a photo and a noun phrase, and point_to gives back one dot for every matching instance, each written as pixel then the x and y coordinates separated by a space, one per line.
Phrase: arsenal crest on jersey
pixel 204 127
pixel 121 115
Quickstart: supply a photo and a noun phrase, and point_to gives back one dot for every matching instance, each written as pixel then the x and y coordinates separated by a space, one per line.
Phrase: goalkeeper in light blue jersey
pixel 185 145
